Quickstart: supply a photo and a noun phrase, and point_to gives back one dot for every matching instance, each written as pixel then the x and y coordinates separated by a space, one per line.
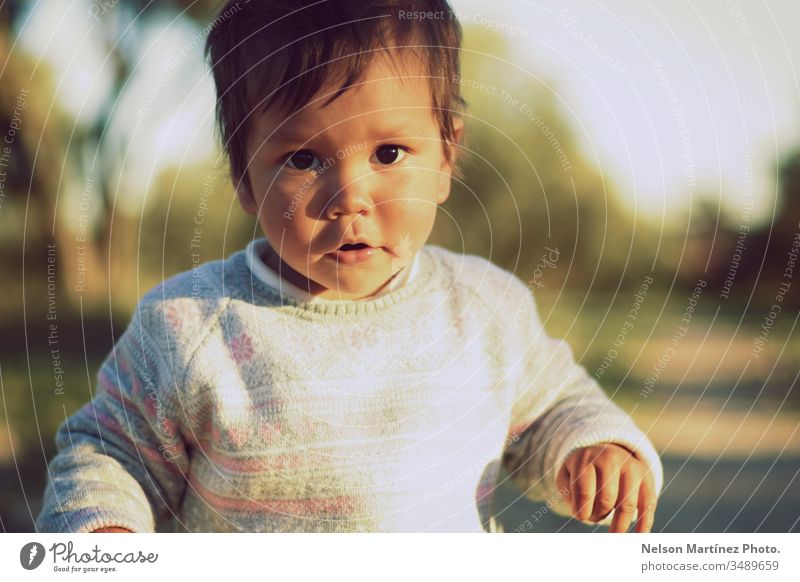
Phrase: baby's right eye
pixel 302 160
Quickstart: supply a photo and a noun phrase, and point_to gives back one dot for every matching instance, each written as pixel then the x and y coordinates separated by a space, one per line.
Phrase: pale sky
pixel 731 67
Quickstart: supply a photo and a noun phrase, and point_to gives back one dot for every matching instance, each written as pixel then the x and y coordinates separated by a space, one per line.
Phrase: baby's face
pixel 368 168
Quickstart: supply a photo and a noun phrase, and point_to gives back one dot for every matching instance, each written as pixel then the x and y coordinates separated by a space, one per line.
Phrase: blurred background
pixel 638 165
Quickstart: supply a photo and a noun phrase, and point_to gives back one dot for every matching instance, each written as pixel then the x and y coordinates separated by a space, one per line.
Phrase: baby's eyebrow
pixel 285 135
pixel 394 132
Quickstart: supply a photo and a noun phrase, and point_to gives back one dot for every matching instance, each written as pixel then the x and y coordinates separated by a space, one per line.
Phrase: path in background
pixel 728 467
pixel 700 495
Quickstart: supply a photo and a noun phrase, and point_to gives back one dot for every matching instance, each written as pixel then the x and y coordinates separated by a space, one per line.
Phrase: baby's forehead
pixel 360 75
pixel 382 94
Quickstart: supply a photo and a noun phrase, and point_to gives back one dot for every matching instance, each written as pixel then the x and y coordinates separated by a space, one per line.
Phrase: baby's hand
pixel 603 477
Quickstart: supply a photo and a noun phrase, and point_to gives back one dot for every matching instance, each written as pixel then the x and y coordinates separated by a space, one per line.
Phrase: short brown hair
pixel 282 52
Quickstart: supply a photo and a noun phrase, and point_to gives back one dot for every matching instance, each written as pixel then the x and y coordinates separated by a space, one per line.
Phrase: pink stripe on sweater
pixel 150 453
pixel 252 464
pixel 296 507
pixel 111 388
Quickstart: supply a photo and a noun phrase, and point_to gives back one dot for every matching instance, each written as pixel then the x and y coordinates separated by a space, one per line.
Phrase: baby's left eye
pixel 389 154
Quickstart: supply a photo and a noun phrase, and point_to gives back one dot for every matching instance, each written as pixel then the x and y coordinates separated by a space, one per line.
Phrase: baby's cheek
pixel 413 216
pixel 424 226
pixel 284 203
pixel 282 209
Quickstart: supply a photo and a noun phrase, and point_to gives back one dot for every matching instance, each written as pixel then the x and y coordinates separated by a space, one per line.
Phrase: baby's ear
pixel 245 196
pixel 448 167
pixel 458 130
pixel 458 126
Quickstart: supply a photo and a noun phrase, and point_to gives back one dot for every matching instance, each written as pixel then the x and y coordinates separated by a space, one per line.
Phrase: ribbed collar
pixel 274 289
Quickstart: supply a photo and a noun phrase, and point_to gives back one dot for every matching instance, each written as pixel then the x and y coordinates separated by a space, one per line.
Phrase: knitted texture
pixel 226 406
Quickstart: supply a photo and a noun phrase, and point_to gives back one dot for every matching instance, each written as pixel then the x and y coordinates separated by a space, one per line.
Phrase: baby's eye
pixel 389 154
pixel 302 160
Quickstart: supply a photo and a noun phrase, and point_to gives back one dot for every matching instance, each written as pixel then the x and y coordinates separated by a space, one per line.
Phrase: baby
pixel 340 375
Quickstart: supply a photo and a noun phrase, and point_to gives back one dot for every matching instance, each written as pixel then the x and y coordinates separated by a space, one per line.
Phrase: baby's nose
pixel 351 196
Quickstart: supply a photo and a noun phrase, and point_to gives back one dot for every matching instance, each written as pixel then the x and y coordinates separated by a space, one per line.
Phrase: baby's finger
pixel 626 502
pixel 607 493
pixel 584 483
pixel 647 506
pixel 562 483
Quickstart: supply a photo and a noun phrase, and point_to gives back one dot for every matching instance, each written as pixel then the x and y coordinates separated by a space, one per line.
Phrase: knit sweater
pixel 229 406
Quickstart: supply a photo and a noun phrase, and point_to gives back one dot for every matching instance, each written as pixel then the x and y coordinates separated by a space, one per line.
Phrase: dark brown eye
pixel 389 154
pixel 301 160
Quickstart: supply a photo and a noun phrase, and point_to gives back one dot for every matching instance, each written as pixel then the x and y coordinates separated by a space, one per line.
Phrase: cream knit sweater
pixel 230 406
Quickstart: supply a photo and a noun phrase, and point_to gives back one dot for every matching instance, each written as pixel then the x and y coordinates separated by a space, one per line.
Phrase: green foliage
pixel 527 184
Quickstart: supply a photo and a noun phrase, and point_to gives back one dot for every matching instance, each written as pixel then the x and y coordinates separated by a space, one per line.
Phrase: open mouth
pixel 354 253
pixel 354 247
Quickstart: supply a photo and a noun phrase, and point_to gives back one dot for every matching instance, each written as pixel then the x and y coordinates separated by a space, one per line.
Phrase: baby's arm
pixel 121 460
pixel 559 411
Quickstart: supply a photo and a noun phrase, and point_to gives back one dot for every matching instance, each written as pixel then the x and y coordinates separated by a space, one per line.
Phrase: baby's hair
pixel 280 53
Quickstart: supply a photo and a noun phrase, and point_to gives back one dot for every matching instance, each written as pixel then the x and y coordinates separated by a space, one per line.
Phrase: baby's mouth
pixel 353 247
pixel 353 253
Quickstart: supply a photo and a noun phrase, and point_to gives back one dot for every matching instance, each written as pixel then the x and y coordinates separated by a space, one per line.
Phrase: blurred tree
pixel 767 263
pixel 75 177
pixel 527 185
pixel 32 148
pixel 753 259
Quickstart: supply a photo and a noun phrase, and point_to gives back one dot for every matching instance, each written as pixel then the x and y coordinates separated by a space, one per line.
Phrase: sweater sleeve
pixel 121 460
pixel 560 408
